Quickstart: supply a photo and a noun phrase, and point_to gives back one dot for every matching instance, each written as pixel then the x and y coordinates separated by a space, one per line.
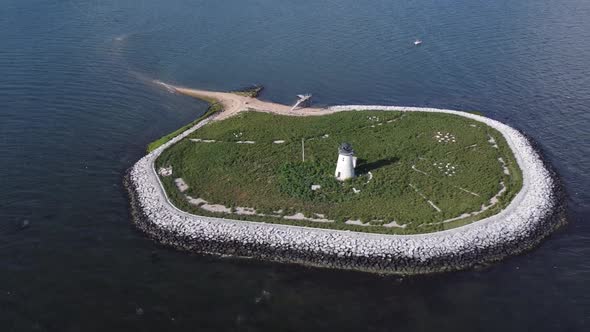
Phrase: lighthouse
pixel 346 162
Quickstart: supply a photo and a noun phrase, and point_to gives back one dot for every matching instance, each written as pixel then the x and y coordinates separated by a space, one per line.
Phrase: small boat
pixel 418 42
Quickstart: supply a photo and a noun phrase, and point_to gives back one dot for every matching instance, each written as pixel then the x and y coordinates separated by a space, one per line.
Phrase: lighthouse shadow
pixel 364 167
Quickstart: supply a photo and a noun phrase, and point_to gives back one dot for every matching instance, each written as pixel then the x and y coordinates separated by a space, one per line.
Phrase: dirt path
pixel 233 103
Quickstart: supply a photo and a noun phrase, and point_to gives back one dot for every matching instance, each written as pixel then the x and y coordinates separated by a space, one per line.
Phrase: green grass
pixel 213 108
pixel 270 177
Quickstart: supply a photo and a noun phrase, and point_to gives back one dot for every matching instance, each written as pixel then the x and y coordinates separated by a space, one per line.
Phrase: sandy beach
pixel 234 103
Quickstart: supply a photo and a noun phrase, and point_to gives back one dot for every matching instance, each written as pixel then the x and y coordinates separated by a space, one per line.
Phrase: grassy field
pixel 426 168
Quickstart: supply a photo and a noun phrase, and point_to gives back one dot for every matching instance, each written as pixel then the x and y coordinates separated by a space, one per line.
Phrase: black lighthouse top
pixel 346 149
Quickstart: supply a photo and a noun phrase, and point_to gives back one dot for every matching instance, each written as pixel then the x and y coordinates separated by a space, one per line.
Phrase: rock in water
pixel 25 224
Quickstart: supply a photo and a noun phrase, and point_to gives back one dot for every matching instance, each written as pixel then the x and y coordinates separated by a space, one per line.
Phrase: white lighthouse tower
pixel 346 162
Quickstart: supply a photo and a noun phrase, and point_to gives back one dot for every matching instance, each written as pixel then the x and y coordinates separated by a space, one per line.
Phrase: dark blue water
pixel 77 108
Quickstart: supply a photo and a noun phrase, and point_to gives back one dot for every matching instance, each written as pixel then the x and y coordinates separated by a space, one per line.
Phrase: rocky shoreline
pixel 533 214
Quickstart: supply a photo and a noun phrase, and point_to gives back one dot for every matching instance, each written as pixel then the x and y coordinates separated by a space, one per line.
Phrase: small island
pixel 373 188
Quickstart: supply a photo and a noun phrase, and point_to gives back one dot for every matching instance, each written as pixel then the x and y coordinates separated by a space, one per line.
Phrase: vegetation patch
pixel 421 171
pixel 313 181
pixel 252 91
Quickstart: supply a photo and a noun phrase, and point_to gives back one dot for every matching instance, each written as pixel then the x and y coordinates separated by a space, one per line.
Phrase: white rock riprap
pixel 533 214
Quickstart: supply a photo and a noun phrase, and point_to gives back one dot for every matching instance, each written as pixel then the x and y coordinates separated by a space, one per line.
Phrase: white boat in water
pixel 418 42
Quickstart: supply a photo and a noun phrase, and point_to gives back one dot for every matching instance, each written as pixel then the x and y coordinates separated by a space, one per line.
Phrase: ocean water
pixel 78 106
